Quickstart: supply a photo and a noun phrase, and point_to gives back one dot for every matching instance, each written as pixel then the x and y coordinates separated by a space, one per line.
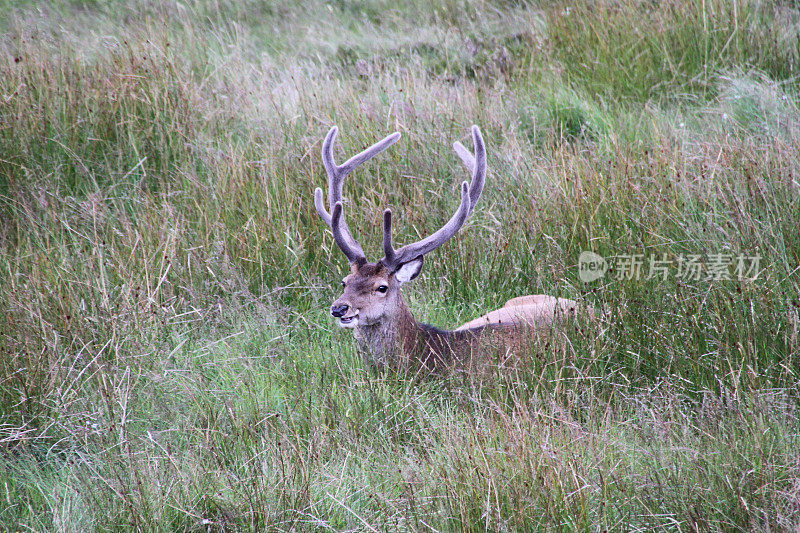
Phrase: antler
pixel 336 176
pixel 469 198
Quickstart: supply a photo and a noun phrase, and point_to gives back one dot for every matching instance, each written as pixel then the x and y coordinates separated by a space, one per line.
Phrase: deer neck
pixel 401 342
pixel 393 341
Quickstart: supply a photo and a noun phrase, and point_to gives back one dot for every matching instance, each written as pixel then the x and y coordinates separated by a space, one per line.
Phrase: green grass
pixel 167 361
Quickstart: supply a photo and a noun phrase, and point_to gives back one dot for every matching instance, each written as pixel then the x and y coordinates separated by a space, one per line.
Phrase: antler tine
pixel 336 174
pixel 475 164
pixel 388 248
pixel 470 194
pixel 348 166
pixel 342 236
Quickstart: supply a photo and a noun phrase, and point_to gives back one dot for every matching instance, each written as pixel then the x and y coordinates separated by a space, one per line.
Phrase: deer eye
pixel 382 288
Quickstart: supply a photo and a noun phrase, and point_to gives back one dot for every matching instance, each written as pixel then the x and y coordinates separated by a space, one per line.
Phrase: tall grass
pixel 166 358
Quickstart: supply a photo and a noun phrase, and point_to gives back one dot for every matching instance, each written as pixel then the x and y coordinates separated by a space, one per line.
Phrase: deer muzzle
pixel 341 311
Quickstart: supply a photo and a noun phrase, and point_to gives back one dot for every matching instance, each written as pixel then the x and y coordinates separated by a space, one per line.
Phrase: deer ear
pixel 409 270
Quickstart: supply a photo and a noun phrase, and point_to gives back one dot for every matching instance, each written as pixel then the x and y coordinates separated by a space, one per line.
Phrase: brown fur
pixel 389 336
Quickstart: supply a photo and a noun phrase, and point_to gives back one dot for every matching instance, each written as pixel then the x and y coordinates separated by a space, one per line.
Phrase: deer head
pixel 372 290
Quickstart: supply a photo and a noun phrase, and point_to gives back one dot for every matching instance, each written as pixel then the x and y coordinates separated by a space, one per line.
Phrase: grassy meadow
pixel 167 360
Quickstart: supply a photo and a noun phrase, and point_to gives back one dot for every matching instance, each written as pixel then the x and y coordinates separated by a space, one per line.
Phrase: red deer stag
pixel 387 332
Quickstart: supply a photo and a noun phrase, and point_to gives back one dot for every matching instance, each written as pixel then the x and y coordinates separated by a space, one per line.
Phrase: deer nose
pixel 339 310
